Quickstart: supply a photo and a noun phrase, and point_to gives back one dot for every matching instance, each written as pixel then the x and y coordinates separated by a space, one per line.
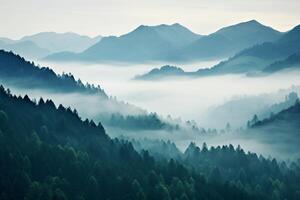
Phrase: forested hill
pixel 50 153
pixel 43 119
pixel 287 120
pixel 15 70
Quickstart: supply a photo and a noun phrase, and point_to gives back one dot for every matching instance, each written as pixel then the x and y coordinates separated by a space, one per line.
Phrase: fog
pixel 188 99
pixel 280 145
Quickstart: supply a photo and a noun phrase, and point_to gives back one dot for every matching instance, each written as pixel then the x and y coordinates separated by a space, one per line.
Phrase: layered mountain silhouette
pixel 176 34
pixel 4 40
pixel 265 58
pixel 26 48
pixel 229 40
pixel 174 43
pixel 260 56
pixel 57 42
pixel 292 62
pixel 42 44
pixel 145 43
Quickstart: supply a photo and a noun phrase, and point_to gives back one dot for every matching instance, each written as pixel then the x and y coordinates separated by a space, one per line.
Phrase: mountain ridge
pixel 57 42
pixel 231 39
pixel 42 44
pixel 174 43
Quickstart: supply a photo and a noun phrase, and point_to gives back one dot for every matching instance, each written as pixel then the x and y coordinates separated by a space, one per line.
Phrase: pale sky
pixel 115 17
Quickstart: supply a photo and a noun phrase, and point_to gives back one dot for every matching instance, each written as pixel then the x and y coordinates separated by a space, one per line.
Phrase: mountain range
pixel 250 46
pixel 145 43
pixel 229 40
pixel 259 56
pixel 173 43
pixel 262 59
pixel 27 49
pixel 42 44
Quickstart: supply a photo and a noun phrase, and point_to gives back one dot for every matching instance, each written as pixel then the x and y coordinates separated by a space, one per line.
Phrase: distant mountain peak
pixel 291 38
pixel 295 29
pixel 176 24
pixel 173 42
pixel 142 27
pixel 162 72
pixel 170 68
pixel 253 21
pixel 145 27
pixel 59 42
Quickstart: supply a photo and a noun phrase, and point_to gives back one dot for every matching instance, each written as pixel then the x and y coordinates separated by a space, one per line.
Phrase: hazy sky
pixel 115 17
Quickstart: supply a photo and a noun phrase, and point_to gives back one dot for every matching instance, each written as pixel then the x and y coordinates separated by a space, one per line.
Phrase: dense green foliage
pixel 138 122
pixel 17 71
pixel 287 119
pixel 50 153
pixel 256 175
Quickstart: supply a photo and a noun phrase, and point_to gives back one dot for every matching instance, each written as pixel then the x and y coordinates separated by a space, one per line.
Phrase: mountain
pixel 16 71
pixel 176 34
pixel 27 49
pixel 160 73
pixel 229 40
pixel 175 43
pixel 249 33
pixel 145 43
pixel 5 40
pixel 57 42
pixel 258 57
pixel 286 121
pixel 265 58
pixel 42 44
pixel 285 46
pixel 239 109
